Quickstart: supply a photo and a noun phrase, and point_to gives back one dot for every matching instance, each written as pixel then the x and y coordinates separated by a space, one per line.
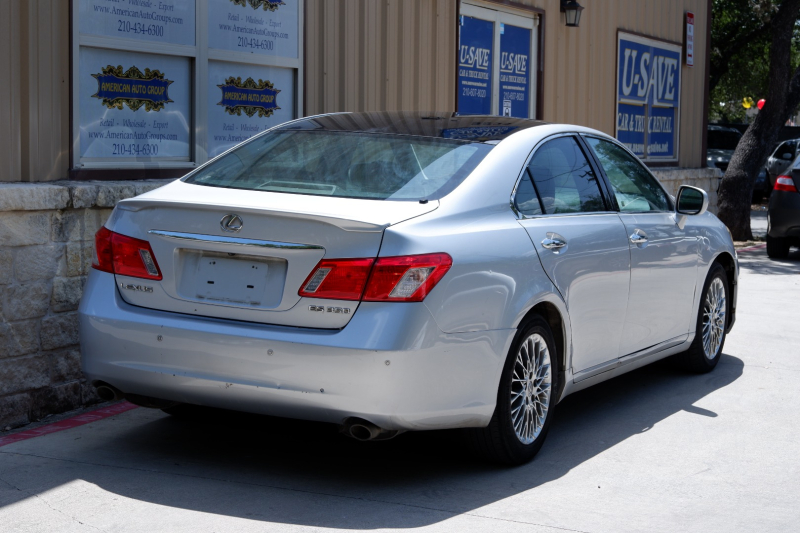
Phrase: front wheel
pixel 525 399
pixel 712 322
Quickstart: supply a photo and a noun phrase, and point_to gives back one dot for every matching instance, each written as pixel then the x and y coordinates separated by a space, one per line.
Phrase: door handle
pixel 638 237
pixel 554 243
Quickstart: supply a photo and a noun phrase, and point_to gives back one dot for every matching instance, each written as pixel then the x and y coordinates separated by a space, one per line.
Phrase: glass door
pixel 496 62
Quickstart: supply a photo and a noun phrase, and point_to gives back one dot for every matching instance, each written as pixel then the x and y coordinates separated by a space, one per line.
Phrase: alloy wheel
pixel 714 309
pixel 531 382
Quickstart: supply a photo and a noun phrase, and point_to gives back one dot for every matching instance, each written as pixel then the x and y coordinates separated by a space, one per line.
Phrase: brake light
pixel 337 279
pixel 389 279
pixel 407 278
pixel 120 254
pixel 785 183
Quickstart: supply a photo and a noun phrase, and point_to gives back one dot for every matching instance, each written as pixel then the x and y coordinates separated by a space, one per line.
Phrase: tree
pixel 740 47
pixel 783 96
pixel 740 29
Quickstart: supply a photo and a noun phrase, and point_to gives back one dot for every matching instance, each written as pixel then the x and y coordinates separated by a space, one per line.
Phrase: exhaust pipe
pixel 364 430
pixel 108 393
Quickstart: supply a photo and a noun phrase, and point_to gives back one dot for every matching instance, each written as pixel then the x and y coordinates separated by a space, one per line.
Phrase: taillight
pixel 389 279
pixel 123 255
pixel 103 258
pixel 785 183
pixel 407 278
pixel 337 279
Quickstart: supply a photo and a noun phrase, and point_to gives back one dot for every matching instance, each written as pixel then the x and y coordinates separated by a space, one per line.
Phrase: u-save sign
pixel 648 96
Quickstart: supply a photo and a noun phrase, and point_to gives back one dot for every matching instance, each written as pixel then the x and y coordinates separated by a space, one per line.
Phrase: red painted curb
pixel 752 248
pixel 69 423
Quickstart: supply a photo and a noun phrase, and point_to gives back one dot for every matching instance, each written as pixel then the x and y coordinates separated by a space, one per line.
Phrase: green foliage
pixel 740 45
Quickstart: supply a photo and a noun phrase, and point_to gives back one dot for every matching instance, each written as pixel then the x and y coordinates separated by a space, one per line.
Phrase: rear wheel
pixel 525 399
pixel 777 248
pixel 712 321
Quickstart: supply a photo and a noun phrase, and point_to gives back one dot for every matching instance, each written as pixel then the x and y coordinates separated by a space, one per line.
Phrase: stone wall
pixel 704 178
pixel 46 247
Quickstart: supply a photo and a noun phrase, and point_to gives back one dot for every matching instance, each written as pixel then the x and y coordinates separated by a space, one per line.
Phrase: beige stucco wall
pixel 34 95
pixel 369 55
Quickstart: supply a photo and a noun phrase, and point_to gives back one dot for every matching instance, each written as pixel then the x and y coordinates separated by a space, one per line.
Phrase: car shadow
pixel 759 264
pixel 303 473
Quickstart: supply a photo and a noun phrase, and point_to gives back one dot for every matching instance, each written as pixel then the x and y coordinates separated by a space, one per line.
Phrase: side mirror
pixel 691 201
pixel 787 156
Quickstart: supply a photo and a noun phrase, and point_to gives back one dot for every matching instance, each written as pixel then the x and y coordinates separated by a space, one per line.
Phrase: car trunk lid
pixel 244 255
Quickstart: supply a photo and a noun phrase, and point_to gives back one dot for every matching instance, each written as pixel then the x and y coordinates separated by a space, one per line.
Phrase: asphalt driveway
pixel 654 450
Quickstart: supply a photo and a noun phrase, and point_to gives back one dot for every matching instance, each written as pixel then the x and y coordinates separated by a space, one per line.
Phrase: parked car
pixel 783 216
pixel 780 161
pixel 761 188
pixel 391 272
pixel 722 142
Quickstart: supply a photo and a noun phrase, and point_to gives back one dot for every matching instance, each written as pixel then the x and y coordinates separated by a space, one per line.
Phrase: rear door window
pixel 563 178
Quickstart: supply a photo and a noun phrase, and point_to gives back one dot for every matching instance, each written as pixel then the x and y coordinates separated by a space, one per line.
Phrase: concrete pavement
pixel 654 450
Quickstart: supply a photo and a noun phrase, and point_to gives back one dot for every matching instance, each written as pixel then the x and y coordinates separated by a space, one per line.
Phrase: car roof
pixel 447 125
pixel 712 127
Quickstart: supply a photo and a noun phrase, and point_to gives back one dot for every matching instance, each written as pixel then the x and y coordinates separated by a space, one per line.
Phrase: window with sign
pixel 173 83
pixel 497 62
pixel 648 96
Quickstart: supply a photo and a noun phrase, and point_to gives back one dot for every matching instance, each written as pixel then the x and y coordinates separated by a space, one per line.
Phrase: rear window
pixel 346 164
pixel 723 140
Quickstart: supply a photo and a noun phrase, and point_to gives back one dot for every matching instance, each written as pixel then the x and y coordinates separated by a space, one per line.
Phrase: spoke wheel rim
pixel 531 382
pixel 714 309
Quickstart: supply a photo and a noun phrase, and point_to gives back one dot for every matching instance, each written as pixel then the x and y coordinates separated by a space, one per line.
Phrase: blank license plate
pixel 231 279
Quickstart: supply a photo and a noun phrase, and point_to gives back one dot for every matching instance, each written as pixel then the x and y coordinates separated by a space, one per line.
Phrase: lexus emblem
pixel 231 223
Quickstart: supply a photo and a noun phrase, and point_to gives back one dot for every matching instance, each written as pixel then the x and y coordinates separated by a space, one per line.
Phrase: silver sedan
pixel 394 271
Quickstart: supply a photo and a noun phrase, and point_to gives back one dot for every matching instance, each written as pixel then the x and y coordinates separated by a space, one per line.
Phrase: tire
pixel 702 357
pixel 499 442
pixel 777 248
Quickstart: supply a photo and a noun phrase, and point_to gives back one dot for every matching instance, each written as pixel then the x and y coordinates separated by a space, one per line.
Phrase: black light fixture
pixel 572 12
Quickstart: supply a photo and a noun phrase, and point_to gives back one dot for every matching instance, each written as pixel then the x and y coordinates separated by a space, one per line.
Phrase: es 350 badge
pixel 133 88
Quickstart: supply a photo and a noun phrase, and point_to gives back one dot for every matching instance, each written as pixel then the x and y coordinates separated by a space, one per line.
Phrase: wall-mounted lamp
pixel 572 12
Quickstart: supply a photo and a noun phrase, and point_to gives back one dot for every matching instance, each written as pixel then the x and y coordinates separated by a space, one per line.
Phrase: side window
pixel 564 179
pixel 526 200
pixel 783 148
pixel 635 188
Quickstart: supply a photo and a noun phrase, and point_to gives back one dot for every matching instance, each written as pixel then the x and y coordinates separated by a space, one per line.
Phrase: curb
pixel 68 423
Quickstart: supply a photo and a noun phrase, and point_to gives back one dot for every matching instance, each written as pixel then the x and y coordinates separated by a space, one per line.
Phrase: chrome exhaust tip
pixel 108 393
pixel 364 430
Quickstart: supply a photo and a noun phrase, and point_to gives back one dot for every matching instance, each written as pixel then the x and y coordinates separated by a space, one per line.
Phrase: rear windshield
pixel 723 140
pixel 347 164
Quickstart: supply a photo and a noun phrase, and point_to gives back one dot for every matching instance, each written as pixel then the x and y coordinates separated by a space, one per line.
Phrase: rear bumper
pixel 391 365
pixel 784 214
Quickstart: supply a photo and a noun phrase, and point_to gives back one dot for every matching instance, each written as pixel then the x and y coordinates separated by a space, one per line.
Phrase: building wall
pixel 364 55
pixel 34 97
pixel 388 55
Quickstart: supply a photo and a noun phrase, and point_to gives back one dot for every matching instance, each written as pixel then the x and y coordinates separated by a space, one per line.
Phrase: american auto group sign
pixel 648 96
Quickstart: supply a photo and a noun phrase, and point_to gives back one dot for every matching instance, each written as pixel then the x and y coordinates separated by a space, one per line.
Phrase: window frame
pixel 608 199
pixel 607 181
pixel 199 55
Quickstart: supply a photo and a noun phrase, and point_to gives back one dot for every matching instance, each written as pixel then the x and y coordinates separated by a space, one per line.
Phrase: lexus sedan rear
pixel 392 272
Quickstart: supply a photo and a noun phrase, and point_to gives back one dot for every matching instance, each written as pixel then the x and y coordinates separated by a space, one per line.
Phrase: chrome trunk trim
pixel 236 241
